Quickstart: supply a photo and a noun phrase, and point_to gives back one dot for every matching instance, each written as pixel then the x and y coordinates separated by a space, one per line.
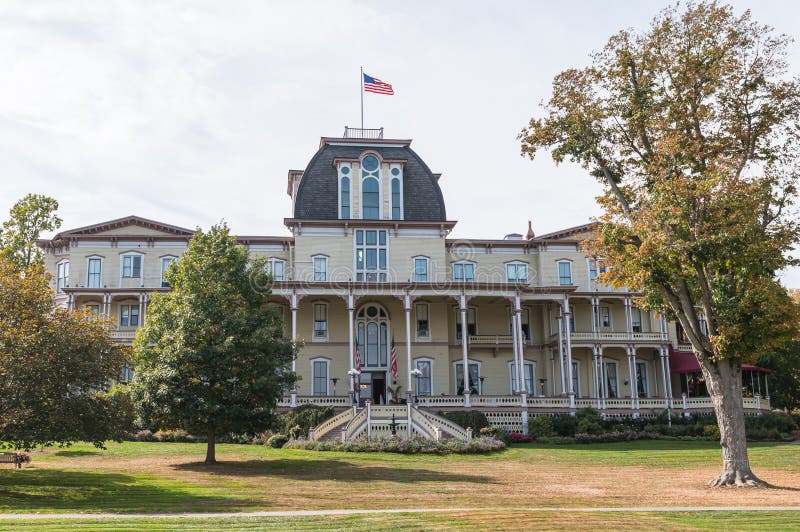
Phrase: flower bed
pixel 414 445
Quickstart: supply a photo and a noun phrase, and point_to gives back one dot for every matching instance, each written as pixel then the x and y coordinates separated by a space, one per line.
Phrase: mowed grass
pixel 461 520
pixel 171 478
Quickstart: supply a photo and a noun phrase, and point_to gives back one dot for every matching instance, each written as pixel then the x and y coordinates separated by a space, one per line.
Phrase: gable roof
pixel 568 232
pixel 127 221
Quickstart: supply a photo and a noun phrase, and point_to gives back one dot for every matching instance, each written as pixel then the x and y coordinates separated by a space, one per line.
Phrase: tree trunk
pixel 724 383
pixel 211 449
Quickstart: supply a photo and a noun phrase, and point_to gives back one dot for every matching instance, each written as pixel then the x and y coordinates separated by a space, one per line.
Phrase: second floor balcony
pixel 609 336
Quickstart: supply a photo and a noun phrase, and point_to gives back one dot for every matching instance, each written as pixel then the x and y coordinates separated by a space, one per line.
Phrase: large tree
pixel 691 126
pixel 212 356
pixel 784 381
pixel 56 367
pixel 28 218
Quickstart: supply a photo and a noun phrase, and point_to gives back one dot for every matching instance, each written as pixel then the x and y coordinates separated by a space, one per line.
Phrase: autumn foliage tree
pixel 212 357
pixel 692 128
pixel 56 368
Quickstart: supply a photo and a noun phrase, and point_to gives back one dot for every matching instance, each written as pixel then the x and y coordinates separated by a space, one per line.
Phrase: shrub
pixel 143 435
pixel 305 417
pixel 503 436
pixel 173 436
pixel 711 431
pixel 414 445
pixel 608 437
pixel 262 438
pixel 518 437
pixel 467 419
pixel 277 441
pixel 588 426
pixel 564 425
pixel 541 427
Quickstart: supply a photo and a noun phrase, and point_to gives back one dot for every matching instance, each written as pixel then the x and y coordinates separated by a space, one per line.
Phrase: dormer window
pixel 397 192
pixel 370 188
pixel 344 191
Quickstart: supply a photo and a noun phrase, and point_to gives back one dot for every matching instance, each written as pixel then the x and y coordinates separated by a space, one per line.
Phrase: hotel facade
pixel 368 267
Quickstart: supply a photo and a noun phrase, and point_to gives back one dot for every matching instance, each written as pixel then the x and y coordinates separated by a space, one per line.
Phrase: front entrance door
pixel 379 388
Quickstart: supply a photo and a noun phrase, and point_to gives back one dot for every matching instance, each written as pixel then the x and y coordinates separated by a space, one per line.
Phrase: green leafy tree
pixel 56 367
pixel 28 218
pixel 212 356
pixel 691 126
pixel 784 381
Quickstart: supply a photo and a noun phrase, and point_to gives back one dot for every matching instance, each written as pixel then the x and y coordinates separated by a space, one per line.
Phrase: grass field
pixel 171 478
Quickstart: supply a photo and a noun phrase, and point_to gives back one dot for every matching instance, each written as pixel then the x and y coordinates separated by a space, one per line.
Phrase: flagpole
pixel 361 84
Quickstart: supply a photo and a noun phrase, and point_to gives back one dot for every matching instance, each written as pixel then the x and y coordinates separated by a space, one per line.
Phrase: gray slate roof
pixel 317 195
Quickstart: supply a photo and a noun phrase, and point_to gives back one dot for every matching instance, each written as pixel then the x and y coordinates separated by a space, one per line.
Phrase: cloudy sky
pixel 192 112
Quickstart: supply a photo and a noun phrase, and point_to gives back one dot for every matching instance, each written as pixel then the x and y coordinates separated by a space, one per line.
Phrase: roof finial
pixel 529 235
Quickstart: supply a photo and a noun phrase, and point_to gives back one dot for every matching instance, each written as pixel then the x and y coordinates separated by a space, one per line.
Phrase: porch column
pixel 595 315
pixel 462 303
pixel 633 380
pixel 552 373
pixel 596 373
pixel 663 358
pixel 515 346
pixel 603 380
pixel 107 305
pixel 568 334
pixel 145 302
pixel 293 305
pixel 141 308
pixel 629 317
pixel 71 302
pixel 560 321
pixel 410 387
pixel 766 386
pixel 669 378
pixel 350 310
pixel 521 347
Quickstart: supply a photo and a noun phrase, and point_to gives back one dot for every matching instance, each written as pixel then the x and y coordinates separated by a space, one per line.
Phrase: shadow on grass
pixel 648 445
pixel 327 469
pixel 75 454
pixel 53 489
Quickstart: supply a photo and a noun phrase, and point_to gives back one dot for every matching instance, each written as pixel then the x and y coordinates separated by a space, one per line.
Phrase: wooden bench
pixel 17 459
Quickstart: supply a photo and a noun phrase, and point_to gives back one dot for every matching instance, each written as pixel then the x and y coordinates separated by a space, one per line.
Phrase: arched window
pixel 370 193
pixel 345 201
pixel 370 188
pixel 372 331
pixel 395 198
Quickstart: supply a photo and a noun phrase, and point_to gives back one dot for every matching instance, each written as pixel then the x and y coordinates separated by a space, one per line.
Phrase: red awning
pixel 683 362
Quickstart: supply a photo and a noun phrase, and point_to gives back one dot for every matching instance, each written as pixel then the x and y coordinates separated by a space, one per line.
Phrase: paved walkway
pixel 356 511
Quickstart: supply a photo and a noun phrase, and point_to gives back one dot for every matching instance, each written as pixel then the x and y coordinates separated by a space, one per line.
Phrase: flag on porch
pixel 393 359
pixel 358 357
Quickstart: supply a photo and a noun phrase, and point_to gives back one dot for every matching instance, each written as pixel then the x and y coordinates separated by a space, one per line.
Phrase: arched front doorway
pixel 374 338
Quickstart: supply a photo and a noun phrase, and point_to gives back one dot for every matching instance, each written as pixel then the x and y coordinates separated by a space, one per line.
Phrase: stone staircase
pixel 380 420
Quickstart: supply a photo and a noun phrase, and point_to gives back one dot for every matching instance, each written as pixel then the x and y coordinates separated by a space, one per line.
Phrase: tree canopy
pixel 28 218
pixel 56 367
pixel 691 126
pixel 212 355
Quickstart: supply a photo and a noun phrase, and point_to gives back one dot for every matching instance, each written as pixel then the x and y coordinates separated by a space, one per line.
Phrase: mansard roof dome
pixel 317 195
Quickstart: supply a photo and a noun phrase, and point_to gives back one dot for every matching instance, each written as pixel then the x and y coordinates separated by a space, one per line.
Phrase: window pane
pixel 359 237
pixel 382 238
pixel 372 238
pixel 469 272
pixel 424 380
pixel 371 199
pixel 137 266
pixel 345 198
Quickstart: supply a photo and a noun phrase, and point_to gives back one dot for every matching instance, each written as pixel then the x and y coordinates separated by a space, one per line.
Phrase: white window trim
pixel 458 320
pixel 339 188
pixel 102 260
pixel 271 265
pixel 314 267
pixel 641 318
pixel 161 261
pixel 455 374
pixel 327 362
pixel 314 337
pixel 417 337
pixel 577 374
pixel 600 325
pixel 388 270
pixel 132 305
pixel 59 289
pixel 606 361
pixel 399 177
pixel 378 178
pixel 518 263
pixel 647 374
pixel 511 386
pixel 427 268
pixel 462 263
pixel 571 272
pixel 431 362
pixel 122 266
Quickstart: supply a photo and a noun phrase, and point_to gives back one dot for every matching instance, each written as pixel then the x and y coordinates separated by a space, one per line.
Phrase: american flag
pixel 358 357
pixel 377 86
pixel 393 359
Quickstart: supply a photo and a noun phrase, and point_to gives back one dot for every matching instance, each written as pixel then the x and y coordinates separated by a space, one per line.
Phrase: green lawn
pixel 171 478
